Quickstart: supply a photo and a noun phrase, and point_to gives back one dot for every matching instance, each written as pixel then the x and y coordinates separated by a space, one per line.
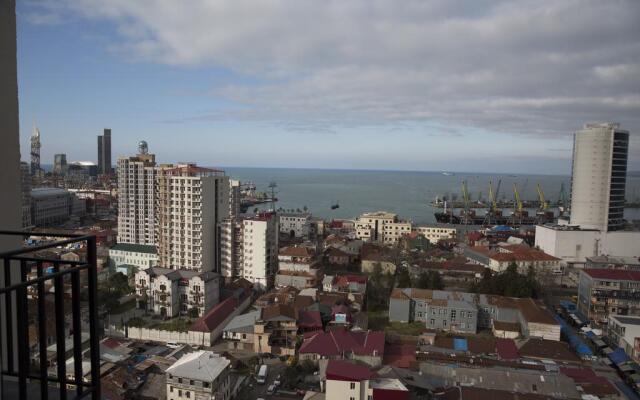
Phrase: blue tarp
pixel 460 344
pixel 578 345
pixel 627 390
pixel 502 228
pixel 568 305
pixel 619 356
pixel 590 335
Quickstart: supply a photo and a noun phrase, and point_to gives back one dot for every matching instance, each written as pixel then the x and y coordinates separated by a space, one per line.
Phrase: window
pixel 170 389
pixel 179 393
pixel 188 395
pixel 205 384
pixel 352 385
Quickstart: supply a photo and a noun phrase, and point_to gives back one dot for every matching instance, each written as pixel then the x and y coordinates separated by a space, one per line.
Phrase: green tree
pixel 430 280
pixel 404 279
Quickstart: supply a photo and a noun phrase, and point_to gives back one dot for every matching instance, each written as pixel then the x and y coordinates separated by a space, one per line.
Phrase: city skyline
pixel 439 81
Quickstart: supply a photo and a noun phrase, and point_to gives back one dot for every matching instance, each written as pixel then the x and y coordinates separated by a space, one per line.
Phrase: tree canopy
pixel 430 280
pixel 508 283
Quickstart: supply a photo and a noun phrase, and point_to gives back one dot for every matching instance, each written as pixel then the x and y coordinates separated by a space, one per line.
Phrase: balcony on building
pixel 48 320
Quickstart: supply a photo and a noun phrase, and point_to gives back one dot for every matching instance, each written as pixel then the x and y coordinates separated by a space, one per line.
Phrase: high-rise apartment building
pixel 60 164
pixel 234 198
pixel 599 173
pixel 136 197
pixel 191 201
pixel 104 152
pixel 249 248
pixel 598 183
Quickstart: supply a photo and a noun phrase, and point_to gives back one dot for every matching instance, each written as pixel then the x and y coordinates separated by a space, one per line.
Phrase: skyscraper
pixel 60 164
pixel 35 150
pixel 598 183
pixel 104 152
pixel 191 201
pixel 136 197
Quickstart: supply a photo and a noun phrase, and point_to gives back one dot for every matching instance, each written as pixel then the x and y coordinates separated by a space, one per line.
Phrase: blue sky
pixel 348 85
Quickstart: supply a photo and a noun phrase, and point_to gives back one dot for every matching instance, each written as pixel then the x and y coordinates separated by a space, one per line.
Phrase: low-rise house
pixel 367 347
pixel 309 321
pixel 345 283
pixel 345 380
pixel 298 267
pixel 138 255
pixel 283 295
pixel 436 233
pixel 275 331
pixel 171 292
pixel 499 258
pixel 372 255
pixel 381 227
pixel 466 312
pixel 338 257
pixel 239 331
pixel 199 375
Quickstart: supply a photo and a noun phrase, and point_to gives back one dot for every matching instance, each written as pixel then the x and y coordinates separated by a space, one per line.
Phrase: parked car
pixel 271 389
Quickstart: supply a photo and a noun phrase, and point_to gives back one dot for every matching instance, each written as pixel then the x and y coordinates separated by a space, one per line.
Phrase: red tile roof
pixel 344 280
pixel 613 274
pixel 344 371
pixel 215 316
pixel 309 319
pixel 336 342
pixel 296 252
pixel 507 349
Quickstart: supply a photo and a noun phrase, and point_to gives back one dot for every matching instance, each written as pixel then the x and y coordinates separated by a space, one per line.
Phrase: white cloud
pixel 536 67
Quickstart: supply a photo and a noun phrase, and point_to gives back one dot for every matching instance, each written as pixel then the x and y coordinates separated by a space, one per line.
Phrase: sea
pixel 406 193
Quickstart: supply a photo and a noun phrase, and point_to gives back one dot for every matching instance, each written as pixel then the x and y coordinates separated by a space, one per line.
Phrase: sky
pixel 484 86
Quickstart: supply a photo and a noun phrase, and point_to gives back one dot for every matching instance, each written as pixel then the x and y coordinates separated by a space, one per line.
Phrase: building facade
pixel 51 206
pixel 25 191
pixel 249 249
pixel 200 375
pixel 60 164
pixel 298 267
pixel 436 233
pixel 136 198
pixel 381 227
pixel 104 152
pixel 466 312
pixel 602 292
pixel 296 225
pixel 171 292
pixel 137 255
pixel 191 201
pixel 598 179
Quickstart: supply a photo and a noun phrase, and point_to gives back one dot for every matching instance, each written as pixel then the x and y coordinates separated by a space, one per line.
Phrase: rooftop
pixel 200 365
pixel 295 251
pixel 346 371
pixel 626 319
pixel 216 316
pixel 613 274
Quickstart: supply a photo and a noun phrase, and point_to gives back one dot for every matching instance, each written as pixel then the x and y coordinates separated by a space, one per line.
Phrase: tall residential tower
pixel 191 201
pixel 136 197
pixel 599 173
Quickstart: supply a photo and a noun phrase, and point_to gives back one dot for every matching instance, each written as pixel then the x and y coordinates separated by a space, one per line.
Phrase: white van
pixel 262 374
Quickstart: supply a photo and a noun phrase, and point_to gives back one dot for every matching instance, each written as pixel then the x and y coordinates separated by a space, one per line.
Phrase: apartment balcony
pixel 25 270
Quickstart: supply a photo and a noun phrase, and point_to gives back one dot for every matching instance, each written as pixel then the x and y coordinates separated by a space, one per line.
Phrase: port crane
pixel 465 199
pixel 493 202
pixel 544 205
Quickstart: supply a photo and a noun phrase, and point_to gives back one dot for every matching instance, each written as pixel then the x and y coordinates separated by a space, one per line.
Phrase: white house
pixel 201 375
pixel 295 224
pixel 138 255
pixel 170 292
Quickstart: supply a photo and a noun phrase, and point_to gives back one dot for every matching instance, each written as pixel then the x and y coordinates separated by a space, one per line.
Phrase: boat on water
pixel 335 206
pixel 448 174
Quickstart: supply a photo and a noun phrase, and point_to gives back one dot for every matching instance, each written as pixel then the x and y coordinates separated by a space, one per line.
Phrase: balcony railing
pixel 18 377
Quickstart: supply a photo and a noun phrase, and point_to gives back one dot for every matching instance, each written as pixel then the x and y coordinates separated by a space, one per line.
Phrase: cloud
pixel 536 67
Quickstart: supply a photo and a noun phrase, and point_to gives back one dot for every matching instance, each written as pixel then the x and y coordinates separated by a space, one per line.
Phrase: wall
pixel 399 310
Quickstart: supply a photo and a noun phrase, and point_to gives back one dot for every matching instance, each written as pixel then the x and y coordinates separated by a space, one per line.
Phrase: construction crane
pixel 562 199
pixel 518 204
pixel 544 205
pixel 465 199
